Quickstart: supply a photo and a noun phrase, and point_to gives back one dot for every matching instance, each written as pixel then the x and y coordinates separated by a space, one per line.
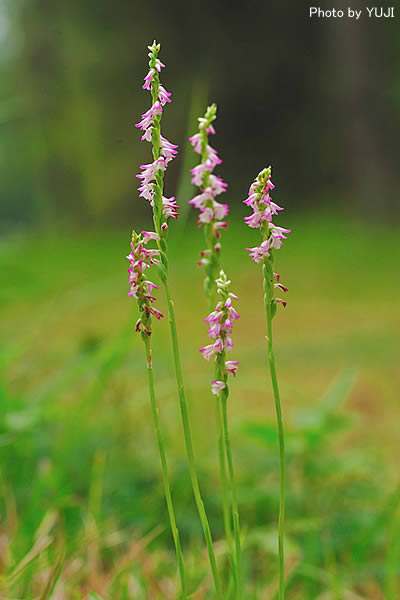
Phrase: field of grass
pixel 82 506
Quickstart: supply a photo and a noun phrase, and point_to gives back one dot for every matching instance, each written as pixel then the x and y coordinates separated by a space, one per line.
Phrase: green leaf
pixel 52 580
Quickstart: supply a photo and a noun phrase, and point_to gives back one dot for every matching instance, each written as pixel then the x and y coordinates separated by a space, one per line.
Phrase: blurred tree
pixel 313 97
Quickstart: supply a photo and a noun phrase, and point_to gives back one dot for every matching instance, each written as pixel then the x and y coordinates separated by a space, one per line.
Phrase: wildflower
pixel 220 323
pixel 151 175
pixel 152 190
pixel 211 212
pixel 142 258
pixel 259 199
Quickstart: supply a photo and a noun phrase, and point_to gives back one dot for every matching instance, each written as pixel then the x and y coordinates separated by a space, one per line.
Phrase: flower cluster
pixel 260 201
pixel 164 151
pixel 264 209
pixel 140 259
pixel 220 323
pixel 212 213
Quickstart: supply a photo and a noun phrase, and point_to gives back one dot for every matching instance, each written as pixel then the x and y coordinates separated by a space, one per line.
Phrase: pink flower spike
pixel 141 258
pixel 231 367
pixel 217 387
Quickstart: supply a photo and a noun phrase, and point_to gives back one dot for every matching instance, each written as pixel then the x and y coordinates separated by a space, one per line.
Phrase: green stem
pixel 167 488
pixel 268 300
pixel 163 272
pixel 224 486
pixel 235 510
pixel 189 444
pixel 226 492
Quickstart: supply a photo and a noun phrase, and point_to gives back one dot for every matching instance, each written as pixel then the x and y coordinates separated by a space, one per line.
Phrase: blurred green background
pixel 79 470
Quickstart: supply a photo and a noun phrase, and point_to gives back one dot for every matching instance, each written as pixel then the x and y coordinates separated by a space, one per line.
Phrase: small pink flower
pixel 208 351
pixel 228 343
pixel 159 65
pixel 147 135
pixel 220 225
pixel 280 301
pixel 149 235
pixel 198 173
pixel 163 95
pixel 146 191
pixel 203 124
pixel 206 216
pixel 216 315
pixel 195 140
pixel 168 150
pixel 213 157
pixel 231 367
pixel 258 253
pixel 148 116
pixel 148 80
pixel 170 207
pixel 218 345
pixel 214 330
pixel 217 185
pixel 277 236
pixel 254 219
pixel 217 387
pixel 141 258
pixel 220 210
pixel 200 200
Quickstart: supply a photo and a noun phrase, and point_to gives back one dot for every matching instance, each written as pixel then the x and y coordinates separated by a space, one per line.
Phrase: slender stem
pixel 228 450
pixel 226 492
pixel 268 297
pixel 167 488
pixel 224 486
pixel 163 272
pixel 189 444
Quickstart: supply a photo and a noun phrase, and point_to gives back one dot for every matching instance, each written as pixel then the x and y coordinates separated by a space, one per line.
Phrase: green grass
pixel 79 471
